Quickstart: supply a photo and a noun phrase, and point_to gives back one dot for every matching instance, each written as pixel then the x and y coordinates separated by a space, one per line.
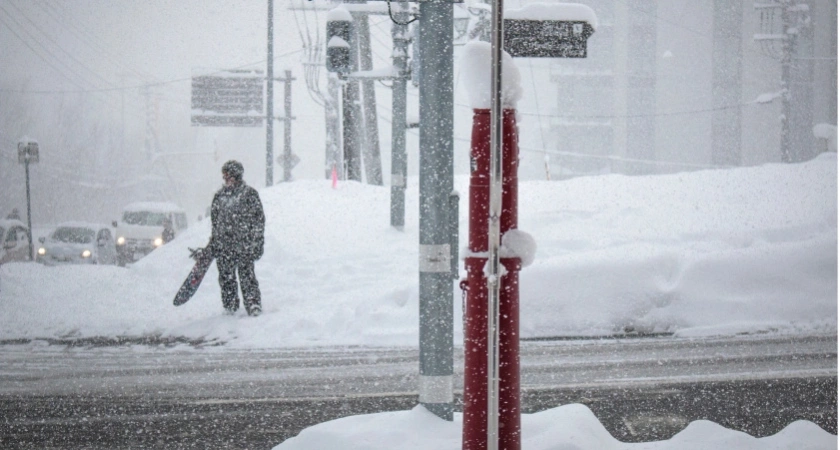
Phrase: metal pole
pixel 398 122
pixel 28 209
pixel 436 184
pixel 287 127
pixel 269 94
pixel 493 281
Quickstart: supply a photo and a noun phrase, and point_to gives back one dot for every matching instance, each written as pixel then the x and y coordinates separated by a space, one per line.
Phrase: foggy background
pixel 104 87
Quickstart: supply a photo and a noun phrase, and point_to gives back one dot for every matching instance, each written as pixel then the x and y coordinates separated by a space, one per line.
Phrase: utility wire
pixel 49 62
pixel 69 23
pixel 39 54
pixel 144 85
pixel 56 45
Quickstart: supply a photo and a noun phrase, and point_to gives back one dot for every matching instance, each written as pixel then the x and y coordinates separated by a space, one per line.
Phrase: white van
pixel 141 229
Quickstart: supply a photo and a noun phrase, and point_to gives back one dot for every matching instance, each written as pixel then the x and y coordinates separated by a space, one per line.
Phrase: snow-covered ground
pixel 749 250
pixel 569 427
pixel 717 252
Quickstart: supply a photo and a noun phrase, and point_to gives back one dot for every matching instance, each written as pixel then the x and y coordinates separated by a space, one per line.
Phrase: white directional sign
pixel 228 98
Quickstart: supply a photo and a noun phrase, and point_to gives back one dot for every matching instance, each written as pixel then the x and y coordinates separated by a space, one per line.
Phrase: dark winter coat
pixel 238 223
pixel 168 234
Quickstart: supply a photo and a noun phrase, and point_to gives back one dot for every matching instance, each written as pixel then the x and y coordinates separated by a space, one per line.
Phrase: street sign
pixel 546 38
pixel 27 152
pixel 232 98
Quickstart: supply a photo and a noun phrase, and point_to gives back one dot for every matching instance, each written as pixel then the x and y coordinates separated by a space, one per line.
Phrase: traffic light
pixel 339 32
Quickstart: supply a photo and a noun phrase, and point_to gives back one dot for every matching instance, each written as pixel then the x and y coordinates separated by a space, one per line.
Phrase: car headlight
pixel 42 251
pixel 86 254
pixel 158 242
pixel 120 240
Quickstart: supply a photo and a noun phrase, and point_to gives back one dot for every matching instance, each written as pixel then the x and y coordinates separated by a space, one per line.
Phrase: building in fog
pixel 683 85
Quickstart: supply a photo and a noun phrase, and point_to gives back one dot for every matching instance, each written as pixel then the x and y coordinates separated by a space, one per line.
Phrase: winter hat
pixel 233 169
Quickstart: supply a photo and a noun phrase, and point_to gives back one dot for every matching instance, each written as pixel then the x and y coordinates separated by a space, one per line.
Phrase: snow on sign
pixel 228 98
pixel 542 30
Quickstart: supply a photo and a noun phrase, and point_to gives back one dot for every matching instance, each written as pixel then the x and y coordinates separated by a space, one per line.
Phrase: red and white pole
pixel 476 345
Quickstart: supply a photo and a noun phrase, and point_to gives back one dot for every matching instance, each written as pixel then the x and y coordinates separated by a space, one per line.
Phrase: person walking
pixel 168 232
pixel 237 239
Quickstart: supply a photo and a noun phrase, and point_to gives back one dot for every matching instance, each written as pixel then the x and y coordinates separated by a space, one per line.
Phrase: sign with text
pixel 228 98
pixel 546 38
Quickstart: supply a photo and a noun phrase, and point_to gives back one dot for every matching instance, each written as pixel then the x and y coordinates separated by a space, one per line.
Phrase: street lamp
pixel 28 153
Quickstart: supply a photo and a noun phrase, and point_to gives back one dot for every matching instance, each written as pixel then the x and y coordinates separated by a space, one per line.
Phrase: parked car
pixel 78 243
pixel 141 229
pixel 15 238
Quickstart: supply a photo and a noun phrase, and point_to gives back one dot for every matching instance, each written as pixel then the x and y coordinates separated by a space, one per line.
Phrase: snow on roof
pixel 153 206
pixel 381 72
pixel 825 131
pixel 475 61
pixel 81 224
pixel 27 139
pixel 377 7
pixel 572 12
pixel 336 41
pixel 339 14
pixel 6 223
pixel 226 73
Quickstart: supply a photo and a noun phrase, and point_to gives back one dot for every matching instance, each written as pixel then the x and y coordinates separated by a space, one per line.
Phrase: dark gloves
pixel 254 250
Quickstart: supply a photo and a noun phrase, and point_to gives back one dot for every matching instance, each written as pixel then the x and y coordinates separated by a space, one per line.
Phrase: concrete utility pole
pixel 288 159
pixel 726 82
pixel 436 186
pixel 399 158
pixel 333 146
pixel 269 94
pixel 352 115
pixel 371 153
pixel 788 42
pixel 792 16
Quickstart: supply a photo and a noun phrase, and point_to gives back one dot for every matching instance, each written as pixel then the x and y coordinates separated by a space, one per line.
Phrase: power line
pixel 86 38
pixel 36 52
pixel 140 86
pixel 633 116
pixel 57 45
pixel 48 51
pixel 735 35
pixel 583 155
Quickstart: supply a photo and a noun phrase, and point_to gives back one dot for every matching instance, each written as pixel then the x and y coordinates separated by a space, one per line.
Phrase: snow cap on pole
pixel 476 73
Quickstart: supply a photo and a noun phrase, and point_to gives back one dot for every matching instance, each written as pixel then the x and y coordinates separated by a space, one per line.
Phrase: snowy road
pixel 215 372
pixel 640 388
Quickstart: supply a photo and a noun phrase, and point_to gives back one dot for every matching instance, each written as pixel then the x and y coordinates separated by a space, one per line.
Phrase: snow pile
pixel 569 427
pixel 570 12
pixel 477 76
pixel 717 252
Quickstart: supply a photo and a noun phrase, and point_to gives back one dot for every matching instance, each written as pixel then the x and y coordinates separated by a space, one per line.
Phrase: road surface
pixel 186 396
